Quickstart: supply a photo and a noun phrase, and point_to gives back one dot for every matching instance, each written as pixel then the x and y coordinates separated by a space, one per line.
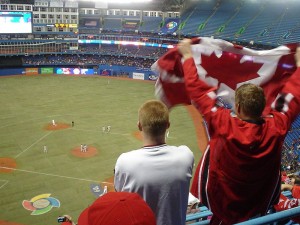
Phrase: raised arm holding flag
pixel 238 176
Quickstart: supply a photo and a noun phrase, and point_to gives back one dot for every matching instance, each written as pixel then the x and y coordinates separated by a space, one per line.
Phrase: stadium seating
pixel 194 16
pixel 267 22
pixel 200 217
pixel 112 24
pixel 150 24
pixel 203 216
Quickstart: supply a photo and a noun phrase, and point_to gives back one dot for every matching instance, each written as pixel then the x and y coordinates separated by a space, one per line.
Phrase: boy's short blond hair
pixel 251 99
pixel 154 117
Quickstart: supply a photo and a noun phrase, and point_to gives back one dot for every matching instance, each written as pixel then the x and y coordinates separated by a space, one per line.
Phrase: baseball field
pixel 38 183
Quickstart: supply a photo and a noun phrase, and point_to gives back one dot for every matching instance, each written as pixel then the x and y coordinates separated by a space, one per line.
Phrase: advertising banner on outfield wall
pixel 153 77
pixel 31 71
pixel 87 71
pixel 74 71
pixel 106 72
pixel 139 76
pixel 47 70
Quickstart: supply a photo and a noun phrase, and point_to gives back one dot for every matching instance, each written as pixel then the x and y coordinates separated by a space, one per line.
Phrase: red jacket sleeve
pixel 204 98
pixel 202 95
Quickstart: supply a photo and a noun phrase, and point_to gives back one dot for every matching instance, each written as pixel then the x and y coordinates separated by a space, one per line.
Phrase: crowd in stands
pixel 291 183
pixel 147 52
pixel 142 57
pixel 291 149
pixel 86 60
pixel 37 36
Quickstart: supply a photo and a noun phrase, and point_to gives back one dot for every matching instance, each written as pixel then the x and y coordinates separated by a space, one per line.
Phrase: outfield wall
pixel 102 70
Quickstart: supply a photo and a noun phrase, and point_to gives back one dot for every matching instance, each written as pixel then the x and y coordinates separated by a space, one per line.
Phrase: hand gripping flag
pixel 226 66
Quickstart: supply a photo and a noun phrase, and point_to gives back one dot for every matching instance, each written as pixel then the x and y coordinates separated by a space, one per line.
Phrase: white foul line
pixel 33 144
pixel 47 174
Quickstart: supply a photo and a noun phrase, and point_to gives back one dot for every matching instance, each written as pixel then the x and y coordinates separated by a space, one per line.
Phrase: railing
pixel 274 217
pixel 203 216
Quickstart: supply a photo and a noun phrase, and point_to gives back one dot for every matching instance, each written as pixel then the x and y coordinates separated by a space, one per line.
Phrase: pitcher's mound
pixel 6 164
pixel 58 126
pixel 91 151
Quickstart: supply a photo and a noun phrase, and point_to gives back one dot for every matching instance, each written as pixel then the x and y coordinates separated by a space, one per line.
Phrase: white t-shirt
pixel 161 175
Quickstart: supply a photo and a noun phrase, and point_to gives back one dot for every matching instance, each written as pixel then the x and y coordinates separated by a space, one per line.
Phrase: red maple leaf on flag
pixel 269 69
pixel 228 70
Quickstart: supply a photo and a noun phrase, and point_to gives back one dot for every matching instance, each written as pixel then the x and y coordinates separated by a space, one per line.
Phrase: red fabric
pixel 118 208
pixel 296 191
pixel 243 177
pixel 244 157
pixel 286 203
pixel 224 66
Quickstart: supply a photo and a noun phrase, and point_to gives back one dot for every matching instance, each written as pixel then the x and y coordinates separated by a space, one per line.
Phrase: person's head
pixel 154 118
pixel 249 101
pixel 118 208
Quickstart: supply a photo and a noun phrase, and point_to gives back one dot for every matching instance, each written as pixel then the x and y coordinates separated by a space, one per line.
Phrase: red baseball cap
pixel 118 208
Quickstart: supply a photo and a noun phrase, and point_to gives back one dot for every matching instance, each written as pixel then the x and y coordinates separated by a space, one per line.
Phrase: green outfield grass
pixel 29 103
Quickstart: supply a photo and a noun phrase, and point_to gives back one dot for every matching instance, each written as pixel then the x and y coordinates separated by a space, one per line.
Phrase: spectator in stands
pixel 158 172
pixel 292 184
pixel 90 60
pixel 288 203
pixel 116 208
pixel 243 179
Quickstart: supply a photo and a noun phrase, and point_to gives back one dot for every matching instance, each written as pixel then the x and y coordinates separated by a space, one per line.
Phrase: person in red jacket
pixel 238 177
pixel 288 203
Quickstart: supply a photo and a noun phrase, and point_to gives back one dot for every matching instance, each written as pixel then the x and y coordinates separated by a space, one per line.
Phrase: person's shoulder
pixel 184 150
pixel 184 147
pixel 129 154
pixel 277 119
pixel 184 154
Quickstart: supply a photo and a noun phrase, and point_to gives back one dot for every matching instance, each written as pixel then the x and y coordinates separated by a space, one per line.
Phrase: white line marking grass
pixel 48 174
pixel 33 144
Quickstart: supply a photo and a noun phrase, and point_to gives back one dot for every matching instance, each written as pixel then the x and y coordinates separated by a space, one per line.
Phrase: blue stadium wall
pixel 104 70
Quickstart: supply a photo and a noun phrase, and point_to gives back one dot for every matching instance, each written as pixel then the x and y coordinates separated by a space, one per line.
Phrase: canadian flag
pixel 226 66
